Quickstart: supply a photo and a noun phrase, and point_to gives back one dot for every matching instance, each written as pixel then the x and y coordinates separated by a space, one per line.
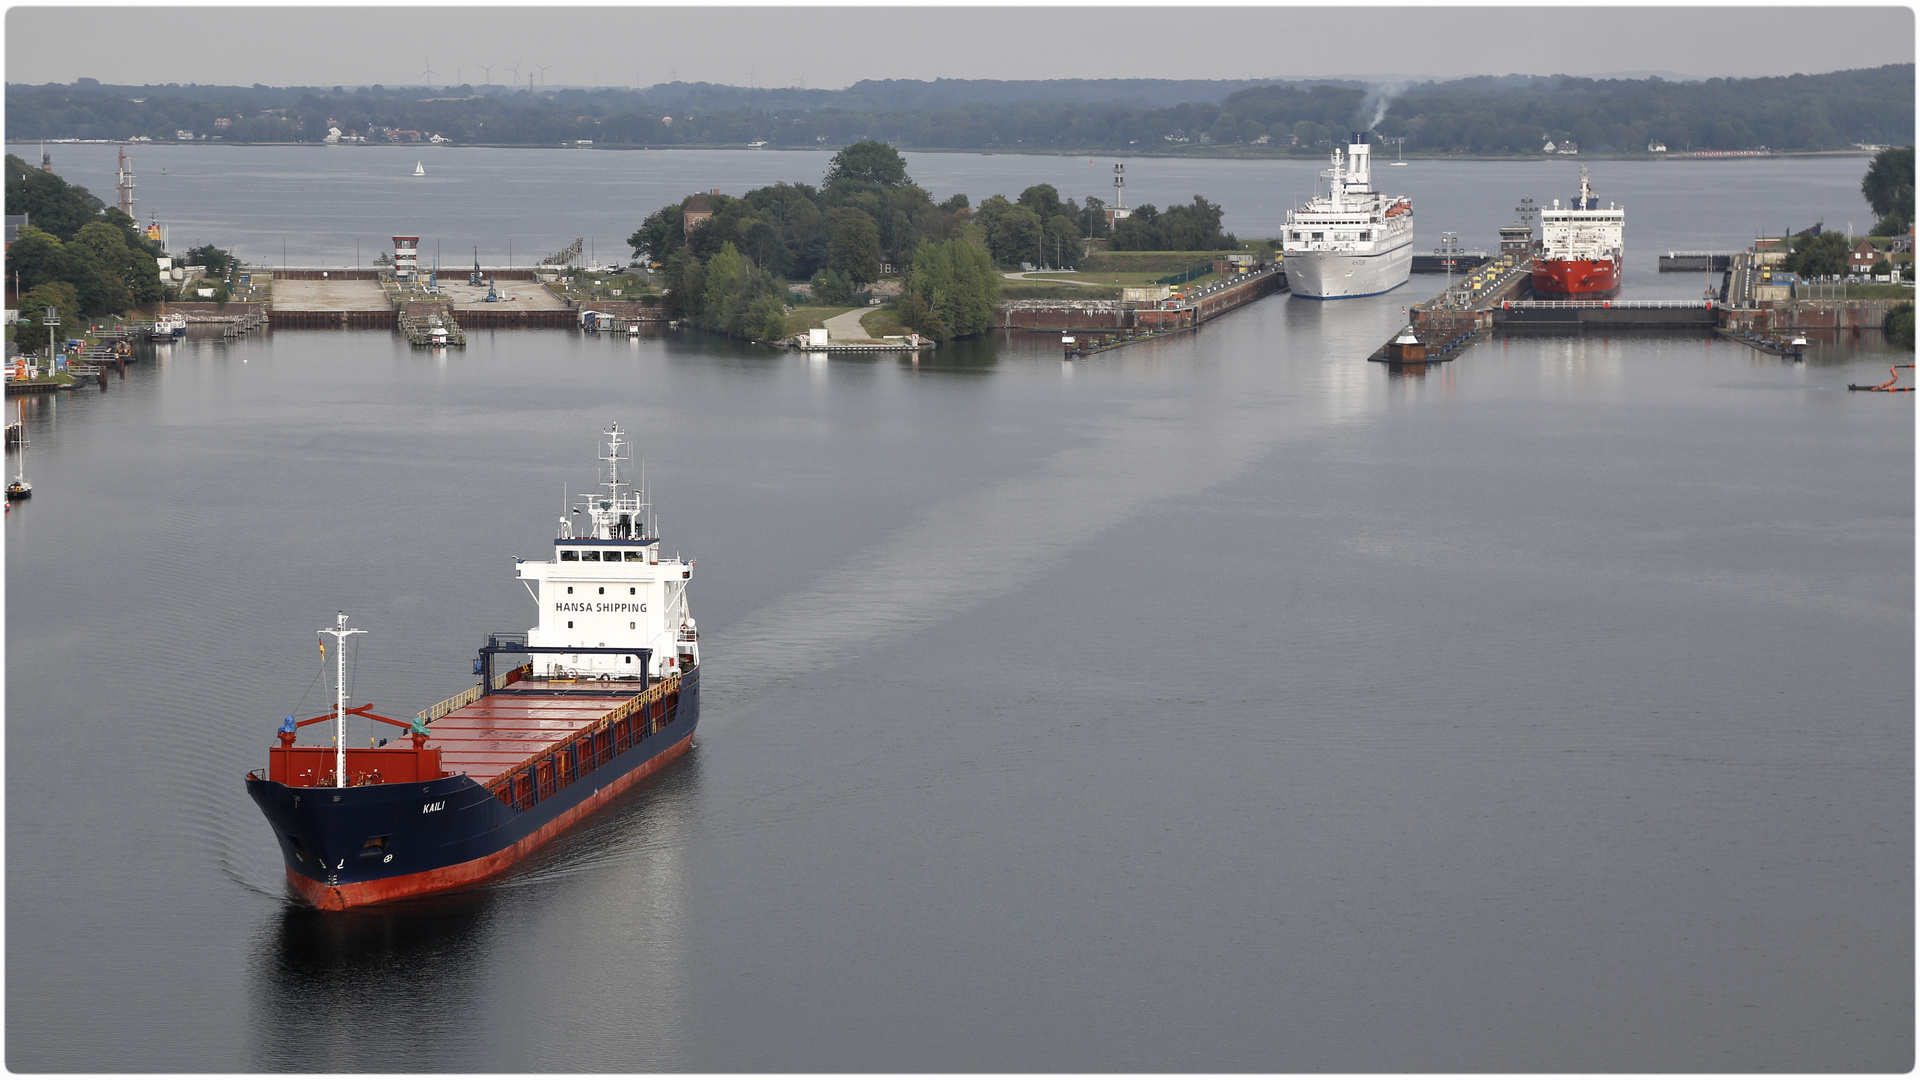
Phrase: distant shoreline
pixel 1717 155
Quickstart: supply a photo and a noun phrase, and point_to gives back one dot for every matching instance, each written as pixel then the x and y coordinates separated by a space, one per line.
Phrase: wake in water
pixel 971 549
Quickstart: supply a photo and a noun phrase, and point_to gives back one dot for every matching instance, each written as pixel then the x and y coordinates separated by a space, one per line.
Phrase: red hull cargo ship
pixel 1581 248
pixel 608 693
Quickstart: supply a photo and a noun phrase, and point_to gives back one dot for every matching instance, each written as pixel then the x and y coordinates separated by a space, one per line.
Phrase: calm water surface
pixel 1220 703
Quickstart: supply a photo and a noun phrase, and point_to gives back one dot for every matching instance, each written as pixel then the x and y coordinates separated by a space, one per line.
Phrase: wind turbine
pixel 515 68
pixel 429 71
pixel 543 72
pixel 488 68
pixel 749 78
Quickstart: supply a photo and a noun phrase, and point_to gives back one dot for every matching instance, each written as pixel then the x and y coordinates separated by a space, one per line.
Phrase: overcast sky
pixel 833 47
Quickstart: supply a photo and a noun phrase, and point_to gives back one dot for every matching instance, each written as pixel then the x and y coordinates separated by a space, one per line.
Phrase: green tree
pixel 214 259
pixel 950 289
pixel 724 270
pixel 31 331
pixel 1193 227
pixel 660 235
pixel 1043 200
pixel 766 318
pixel 1062 242
pixel 1899 324
pixel 686 281
pixel 855 247
pixel 868 161
pixel 35 255
pixel 1011 232
pixel 50 203
pixel 833 287
pixel 39 257
pixel 1888 187
pixel 122 266
pixel 1819 256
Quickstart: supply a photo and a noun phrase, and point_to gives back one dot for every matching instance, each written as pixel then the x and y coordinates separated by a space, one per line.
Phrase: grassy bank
pixel 802 319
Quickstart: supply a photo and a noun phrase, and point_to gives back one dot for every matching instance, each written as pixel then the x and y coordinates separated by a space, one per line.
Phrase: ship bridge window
pixel 1366 235
pixel 1319 236
pixel 569 556
pixel 589 556
pixel 636 556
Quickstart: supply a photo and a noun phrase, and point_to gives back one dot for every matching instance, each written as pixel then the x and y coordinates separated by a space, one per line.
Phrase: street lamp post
pixel 1448 250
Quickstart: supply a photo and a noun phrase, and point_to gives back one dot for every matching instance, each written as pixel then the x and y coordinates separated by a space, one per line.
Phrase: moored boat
pixel 18 488
pixel 608 694
pixel 1352 241
pixel 168 326
pixel 1581 248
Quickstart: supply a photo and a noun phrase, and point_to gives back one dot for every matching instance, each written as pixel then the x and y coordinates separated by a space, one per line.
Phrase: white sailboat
pixel 19 488
pixel 419 168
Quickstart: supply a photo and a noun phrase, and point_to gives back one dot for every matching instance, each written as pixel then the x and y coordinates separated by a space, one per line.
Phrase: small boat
pixel 18 488
pixel 419 168
pixel 169 327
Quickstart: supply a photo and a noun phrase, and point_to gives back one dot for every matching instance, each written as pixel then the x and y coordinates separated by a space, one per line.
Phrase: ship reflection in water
pixel 465 981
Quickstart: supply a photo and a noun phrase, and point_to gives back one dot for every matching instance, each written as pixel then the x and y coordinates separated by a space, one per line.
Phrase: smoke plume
pixel 1379 96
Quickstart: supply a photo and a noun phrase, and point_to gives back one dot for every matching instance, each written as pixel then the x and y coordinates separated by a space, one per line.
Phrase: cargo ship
pixel 603 692
pixel 1351 241
pixel 1581 248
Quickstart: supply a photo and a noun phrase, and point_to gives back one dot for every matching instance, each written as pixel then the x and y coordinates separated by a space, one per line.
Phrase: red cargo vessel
pixel 1581 248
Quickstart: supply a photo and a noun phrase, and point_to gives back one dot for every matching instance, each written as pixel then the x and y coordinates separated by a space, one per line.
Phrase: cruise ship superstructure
pixel 1351 240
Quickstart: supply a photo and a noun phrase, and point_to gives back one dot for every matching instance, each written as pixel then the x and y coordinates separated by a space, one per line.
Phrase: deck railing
pixel 1518 305
pixel 470 695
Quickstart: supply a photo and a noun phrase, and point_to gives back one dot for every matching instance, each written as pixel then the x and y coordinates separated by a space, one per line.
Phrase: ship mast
pixel 123 180
pixel 340 634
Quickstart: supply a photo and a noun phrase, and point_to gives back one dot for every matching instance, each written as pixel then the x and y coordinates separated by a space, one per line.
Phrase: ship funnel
pixel 1359 163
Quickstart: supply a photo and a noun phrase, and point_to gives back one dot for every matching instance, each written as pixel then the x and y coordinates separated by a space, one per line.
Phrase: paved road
pixel 847 327
pixel 1048 275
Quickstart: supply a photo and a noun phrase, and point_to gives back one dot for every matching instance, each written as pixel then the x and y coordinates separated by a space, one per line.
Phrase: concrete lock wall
pixel 1812 315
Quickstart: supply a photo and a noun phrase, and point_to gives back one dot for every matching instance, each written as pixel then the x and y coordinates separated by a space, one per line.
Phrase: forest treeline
pixel 725 260
pixel 1504 115
pixel 76 255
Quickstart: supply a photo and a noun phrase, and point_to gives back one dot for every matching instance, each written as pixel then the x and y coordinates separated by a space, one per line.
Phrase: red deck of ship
pixel 492 735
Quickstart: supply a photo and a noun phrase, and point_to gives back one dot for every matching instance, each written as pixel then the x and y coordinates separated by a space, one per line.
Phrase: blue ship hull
pixel 349 846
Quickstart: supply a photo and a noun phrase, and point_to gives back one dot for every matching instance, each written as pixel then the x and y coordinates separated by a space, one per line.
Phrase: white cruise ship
pixel 1352 240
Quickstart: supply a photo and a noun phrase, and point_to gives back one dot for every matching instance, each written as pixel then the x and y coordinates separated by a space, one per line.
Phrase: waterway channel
pixel 1221 703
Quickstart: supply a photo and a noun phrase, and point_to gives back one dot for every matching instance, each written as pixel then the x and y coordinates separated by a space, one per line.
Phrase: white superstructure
pixel 1583 232
pixel 608 586
pixel 1352 240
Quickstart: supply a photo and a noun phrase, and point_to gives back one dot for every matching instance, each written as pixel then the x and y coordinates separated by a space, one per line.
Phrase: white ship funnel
pixel 1359 163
